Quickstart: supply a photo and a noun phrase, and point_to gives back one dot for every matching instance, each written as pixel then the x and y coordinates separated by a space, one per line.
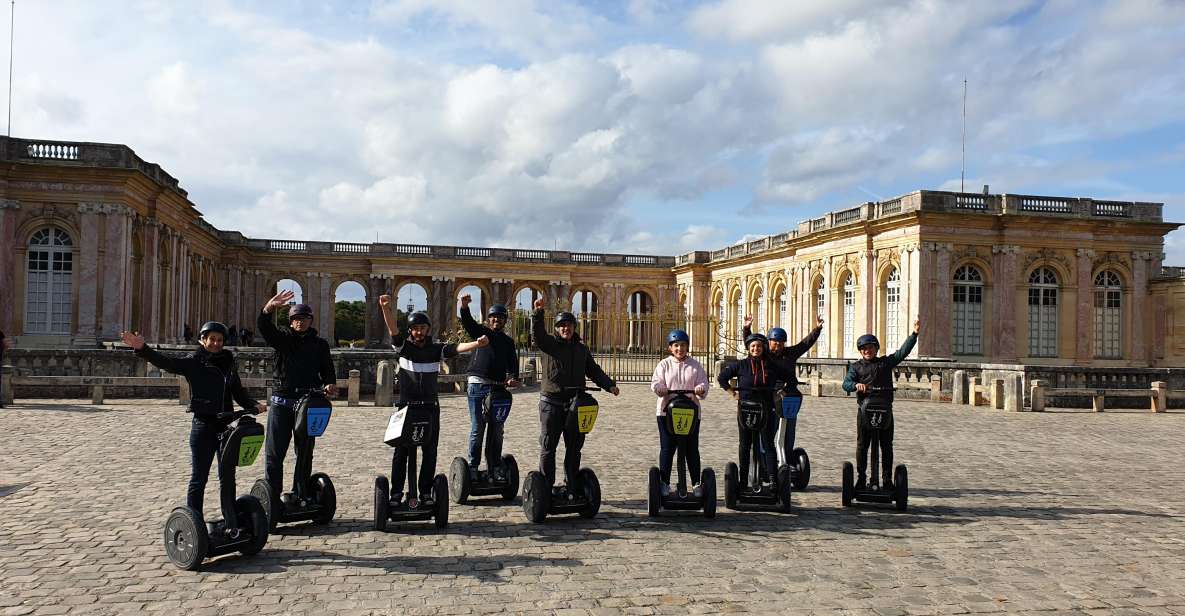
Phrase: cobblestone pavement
pixel 1046 512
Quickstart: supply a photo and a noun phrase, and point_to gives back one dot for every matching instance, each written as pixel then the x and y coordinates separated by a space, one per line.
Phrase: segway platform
pixel 313 496
pixel 411 427
pixel 746 493
pixel 462 484
pixel 541 500
pixel 434 508
pixel 681 419
pixel 898 496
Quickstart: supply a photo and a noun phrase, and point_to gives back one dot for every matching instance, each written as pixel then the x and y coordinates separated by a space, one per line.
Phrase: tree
pixel 349 321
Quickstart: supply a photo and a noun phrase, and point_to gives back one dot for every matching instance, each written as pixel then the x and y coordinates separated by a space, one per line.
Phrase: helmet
pixel 419 317
pixel 497 310
pixel 777 334
pixel 751 338
pixel 677 335
pixel 866 340
pixel 301 310
pixel 565 317
pixel 213 326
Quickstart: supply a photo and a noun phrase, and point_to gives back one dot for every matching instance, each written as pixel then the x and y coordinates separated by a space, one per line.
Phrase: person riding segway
pixel 300 410
pixel 415 425
pixel 756 377
pixel 565 410
pixel 493 370
pixel 217 430
pixel 680 382
pixel 871 377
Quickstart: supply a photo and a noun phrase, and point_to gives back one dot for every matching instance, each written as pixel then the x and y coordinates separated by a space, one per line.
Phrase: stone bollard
pixel 1160 396
pixel 935 388
pixel 384 386
pixel 996 394
pixel 6 390
pixel 354 388
pixel 816 387
pixel 1014 393
pixel 959 388
pixel 530 373
pixel 96 394
pixel 973 390
pixel 183 392
pixel 1037 395
pixel 1098 401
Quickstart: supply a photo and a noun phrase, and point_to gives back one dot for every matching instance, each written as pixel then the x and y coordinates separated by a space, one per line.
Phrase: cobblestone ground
pixel 1047 512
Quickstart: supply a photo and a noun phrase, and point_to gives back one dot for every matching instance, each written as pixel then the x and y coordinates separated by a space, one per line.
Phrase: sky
pixel 636 126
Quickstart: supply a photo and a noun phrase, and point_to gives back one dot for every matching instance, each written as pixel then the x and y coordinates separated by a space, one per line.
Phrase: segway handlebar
pixel 582 388
pixel 680 391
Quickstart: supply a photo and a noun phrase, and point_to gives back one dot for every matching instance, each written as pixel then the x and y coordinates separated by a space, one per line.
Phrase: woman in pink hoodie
pixel 679 371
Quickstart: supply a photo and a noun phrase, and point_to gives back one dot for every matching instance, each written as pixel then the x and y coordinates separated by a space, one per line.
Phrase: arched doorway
pixel 349 314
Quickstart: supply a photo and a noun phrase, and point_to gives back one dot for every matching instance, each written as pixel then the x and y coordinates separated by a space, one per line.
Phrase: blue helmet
pixel 866 340
pixel 777 334
pixel 677 335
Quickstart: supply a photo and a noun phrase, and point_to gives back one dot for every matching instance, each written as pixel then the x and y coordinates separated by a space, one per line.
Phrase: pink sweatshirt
pixel 671 373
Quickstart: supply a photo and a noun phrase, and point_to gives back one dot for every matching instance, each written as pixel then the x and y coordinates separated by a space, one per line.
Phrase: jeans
pixel 281 423
pixel 479 427
pixel 402 455
pixel 203 448
pixel 554 423
pixel 666 452
pixel 884 440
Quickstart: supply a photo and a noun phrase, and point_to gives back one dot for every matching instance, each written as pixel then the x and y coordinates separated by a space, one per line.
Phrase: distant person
pixel 246 336
pixel 233 338
pixel 4 344
pixel 187 334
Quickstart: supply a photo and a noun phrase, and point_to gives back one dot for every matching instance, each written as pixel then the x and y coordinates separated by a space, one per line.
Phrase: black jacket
pixel 788 357
pixel 418 367
pixel 761 372
pixel 213 380
pixel 302 360
pixel 496 361
pixel 565 363
pixel 878 372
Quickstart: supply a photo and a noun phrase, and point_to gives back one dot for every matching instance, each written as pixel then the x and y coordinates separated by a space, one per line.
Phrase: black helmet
pixel 677 335
pixel 866 340
pixel 777 334
pixel 419 317
pixel 216 327
pixel 751 338
pixel 565 317
pixel 498 310
pixel 300 310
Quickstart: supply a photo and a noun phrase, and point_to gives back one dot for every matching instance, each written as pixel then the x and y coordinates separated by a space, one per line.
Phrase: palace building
pixel 95 240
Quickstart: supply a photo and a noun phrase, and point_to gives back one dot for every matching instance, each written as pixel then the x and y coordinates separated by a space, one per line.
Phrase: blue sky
pixel 647 126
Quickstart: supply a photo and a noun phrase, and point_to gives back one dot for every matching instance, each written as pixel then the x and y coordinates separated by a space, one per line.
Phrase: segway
pixel 243 528
pixel 464 481
pixel 876 414
pixel 800 464
pixel 411 427
pixel 682 418
pixel 744 493
pixel 541 500
pixel 313 496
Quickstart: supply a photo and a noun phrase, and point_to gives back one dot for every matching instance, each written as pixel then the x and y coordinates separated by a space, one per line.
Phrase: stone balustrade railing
pixel 84 154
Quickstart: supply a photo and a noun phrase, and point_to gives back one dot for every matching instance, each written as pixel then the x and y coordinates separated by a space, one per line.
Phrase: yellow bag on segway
pixel 584 409
pixel 682 415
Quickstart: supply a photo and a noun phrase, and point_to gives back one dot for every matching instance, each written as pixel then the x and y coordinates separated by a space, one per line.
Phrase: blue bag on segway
pixel 790 405
pixel 312 414
pixel 497 405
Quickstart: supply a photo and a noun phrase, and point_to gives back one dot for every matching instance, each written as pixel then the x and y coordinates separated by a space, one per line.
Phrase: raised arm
pixel 545 341
pixel 473 328
pixel 906 346
pixel 849 382
pixel 465 347
pixel 176 365
pixel 747 328
pixel 805 344
pixel 595 374
pixel 271 334
pixel 391 322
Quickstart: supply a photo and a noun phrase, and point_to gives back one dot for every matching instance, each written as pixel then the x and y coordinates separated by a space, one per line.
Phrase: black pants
pixel 427 462
pixel 884 441
pixel 204 445
pixel 666 452
pixel 766 454
pixel 553 422
pixel 281 423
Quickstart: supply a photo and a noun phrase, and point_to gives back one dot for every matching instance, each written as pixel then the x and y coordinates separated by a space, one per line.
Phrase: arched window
pixel 783 316
pixel 49 290
pixel 892 307
pixel 738 308
pixel 1108 315
pixel 1043 313
pixel 821 311
pixel 967 321
pixel 849 315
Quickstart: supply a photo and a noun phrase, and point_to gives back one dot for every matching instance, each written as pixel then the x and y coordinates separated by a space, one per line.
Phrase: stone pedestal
pixel 996 394
pixel 384 389
pixel 1014 393
pixel 959 388
pixel 1160 398
pixel 1037 395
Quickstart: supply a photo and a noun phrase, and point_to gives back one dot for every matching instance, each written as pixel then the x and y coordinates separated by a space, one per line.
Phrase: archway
pixel 477 306
pixel 349 314
pixel 288 284
pixel 409 297
pixel 584 306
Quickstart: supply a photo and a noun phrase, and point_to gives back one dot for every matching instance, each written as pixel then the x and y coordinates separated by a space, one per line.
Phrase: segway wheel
pixel 707 481
pixel 382 503
pixel 784 488
pixel 849 484
pixel 325 495
pixel 510 466
pixel 263 491
pixel 654 493
pixel 186 541
pixel 536 497
pixel 592 491
pixel 440 495
pixel 731 485
pixel 901 487
pixel 252 517
pixel 802 463
pixel 458 480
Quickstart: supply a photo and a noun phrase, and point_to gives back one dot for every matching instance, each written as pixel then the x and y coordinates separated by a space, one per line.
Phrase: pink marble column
pixel 907 304
pixel 117 264
pixel 1084 307
pixel 88 273
pixel 150 290
pixel 929 301
pixel 1003 315
pixel 326 307
pixel 868 289
pixel 8 264
pixel 1140 331
pixel 942 300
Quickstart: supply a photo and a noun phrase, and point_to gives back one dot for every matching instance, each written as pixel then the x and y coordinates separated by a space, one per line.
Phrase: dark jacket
pixel 418 367
pixel 213 380
pixel 789 355
pixel 756 372
pixel 878 372
pixel 302 361
pixel 565 363
pixel 496 361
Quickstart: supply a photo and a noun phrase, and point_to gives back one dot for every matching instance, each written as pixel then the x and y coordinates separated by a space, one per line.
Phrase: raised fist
pixel 384 300
pixel 465 299
pixel 539 303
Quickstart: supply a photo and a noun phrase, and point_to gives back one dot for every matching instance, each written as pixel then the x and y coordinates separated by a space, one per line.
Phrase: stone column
pixel 907 306
pixel 557 295
pixel 117 288
pixel 327 307
pixel 376 328
pixel 441 301
pixel 9 209
pixel 1083 308
pixel 868 289
pixel 88 273
pixel 827 348
pixel 150 281
pixel 500 289
pixel 1003 316
pixel 942 299
pixel 1140 316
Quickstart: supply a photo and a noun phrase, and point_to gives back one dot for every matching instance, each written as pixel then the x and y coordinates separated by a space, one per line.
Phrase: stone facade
pixel 994 278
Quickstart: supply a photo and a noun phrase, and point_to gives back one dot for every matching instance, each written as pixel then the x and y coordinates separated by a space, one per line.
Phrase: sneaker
pixel 664 489
pixel 499 474
pixel 698 490
pixel 861 483
pixel 767 486
pixel 397 500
